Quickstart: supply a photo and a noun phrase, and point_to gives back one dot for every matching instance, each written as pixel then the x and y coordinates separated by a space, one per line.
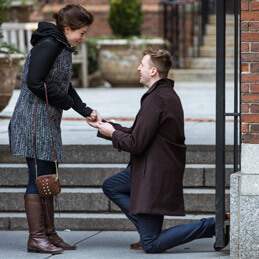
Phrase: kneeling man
pixel 152 184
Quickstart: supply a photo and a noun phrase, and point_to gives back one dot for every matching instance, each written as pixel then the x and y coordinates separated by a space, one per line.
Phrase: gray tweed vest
pixel 21 127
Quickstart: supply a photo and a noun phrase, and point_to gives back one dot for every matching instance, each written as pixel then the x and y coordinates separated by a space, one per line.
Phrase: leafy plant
pixel 3 5
pixel 126 17
pixel 6 47
pixel 9 48
pixel 92 54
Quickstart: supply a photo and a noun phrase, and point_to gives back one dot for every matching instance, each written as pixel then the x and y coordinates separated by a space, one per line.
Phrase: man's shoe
pixel 136 246
pixel 227 235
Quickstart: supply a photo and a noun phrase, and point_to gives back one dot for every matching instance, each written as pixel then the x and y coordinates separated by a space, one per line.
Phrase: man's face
pixel 145 70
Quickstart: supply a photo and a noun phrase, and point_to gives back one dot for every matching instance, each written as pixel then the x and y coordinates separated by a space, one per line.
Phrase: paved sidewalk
pixel 198 101
pixel 105 245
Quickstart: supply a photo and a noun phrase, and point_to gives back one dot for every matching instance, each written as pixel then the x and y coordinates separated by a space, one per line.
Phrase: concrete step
pixel 198 75
pixel 210 40
pixel 210 29
pixel 106 154
pixel 210 51
pixel 210 63
pixel 93 175
pixel 197 200
pixel 229 19
pixel 88 222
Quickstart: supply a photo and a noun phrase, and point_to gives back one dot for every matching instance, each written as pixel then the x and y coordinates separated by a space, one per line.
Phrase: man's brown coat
pixel 156 144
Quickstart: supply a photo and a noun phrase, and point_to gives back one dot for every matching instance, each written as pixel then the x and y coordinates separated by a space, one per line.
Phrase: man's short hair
pixel 161 59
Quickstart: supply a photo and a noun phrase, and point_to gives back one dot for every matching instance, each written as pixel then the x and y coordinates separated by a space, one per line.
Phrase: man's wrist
pixel 112 132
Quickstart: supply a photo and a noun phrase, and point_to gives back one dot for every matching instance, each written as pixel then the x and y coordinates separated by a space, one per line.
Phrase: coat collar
pixel 164 82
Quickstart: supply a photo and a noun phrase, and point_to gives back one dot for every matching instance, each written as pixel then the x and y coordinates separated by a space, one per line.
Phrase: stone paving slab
pixel 109 245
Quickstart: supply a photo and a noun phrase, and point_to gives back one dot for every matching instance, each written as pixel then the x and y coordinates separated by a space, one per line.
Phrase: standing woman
pixel 49 62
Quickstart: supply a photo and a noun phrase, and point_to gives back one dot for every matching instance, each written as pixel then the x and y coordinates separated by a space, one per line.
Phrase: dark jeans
pixel 153 239
pixel 44 167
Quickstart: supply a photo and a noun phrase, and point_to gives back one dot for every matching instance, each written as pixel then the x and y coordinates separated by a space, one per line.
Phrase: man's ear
pixel 153 71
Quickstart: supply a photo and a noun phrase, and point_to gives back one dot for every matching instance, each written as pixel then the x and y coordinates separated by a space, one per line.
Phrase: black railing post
pixel 236 89
pixel 220 121
pixel 165 20
pixel 205 14
pixel 176 14
pixel 184 39
pixel 199 23
pixel 173 33
pixel 193 30
pixel 177 33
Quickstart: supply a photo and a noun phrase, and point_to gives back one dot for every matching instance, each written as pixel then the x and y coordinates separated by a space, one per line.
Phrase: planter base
pixel 119 60
pixel 8 72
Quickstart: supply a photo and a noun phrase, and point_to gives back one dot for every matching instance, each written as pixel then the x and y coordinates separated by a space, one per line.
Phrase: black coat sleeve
pixel 78 106
pixel 43 56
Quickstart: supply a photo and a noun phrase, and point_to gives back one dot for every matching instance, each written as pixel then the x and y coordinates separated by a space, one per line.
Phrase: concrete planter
pixel 119 59
pixel 8 71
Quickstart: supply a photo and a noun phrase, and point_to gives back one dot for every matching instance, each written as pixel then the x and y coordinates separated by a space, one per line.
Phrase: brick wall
pixel 250 71
pixel 100 8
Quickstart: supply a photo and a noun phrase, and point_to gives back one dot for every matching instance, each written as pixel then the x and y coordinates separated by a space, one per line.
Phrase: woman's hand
pixel 94 118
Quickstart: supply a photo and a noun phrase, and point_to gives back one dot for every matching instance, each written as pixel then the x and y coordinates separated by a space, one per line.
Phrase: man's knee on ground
pixel 149 247
pixel 107 186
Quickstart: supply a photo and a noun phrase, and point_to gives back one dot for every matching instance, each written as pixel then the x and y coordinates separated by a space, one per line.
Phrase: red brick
pixel 250 118
pixel 250 98
pixel 254 88
pixel 250 138
pixel 244 128
pixel 244 88
pixel 244 6
pixel 244 47
pixel 254 128
pixel 255 67
pixel 249 57
pixel 254 26
pixel 244 26
pixel 249 16
pixel 255 47
pixel 245 67
pixel 245 108
pixel 254 108
pixel 251 36
pixel 250 78
pixel 255 6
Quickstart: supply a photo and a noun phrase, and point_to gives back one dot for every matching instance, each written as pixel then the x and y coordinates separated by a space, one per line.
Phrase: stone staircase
pixel 83 206
pixel 203 68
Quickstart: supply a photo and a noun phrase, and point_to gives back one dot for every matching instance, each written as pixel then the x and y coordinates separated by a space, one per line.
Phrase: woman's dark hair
pixel 73 16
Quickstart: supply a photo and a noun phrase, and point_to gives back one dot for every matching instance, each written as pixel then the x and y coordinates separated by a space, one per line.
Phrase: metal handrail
pixel 178 33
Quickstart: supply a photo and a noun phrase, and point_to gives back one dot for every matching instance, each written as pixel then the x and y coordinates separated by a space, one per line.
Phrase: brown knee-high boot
pixel 50 226
pixel 38 241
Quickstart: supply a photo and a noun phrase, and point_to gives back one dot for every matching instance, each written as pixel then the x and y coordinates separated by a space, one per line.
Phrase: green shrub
pixel 125 17
pixel 3 5
pixel 5 47
pixel 92 54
